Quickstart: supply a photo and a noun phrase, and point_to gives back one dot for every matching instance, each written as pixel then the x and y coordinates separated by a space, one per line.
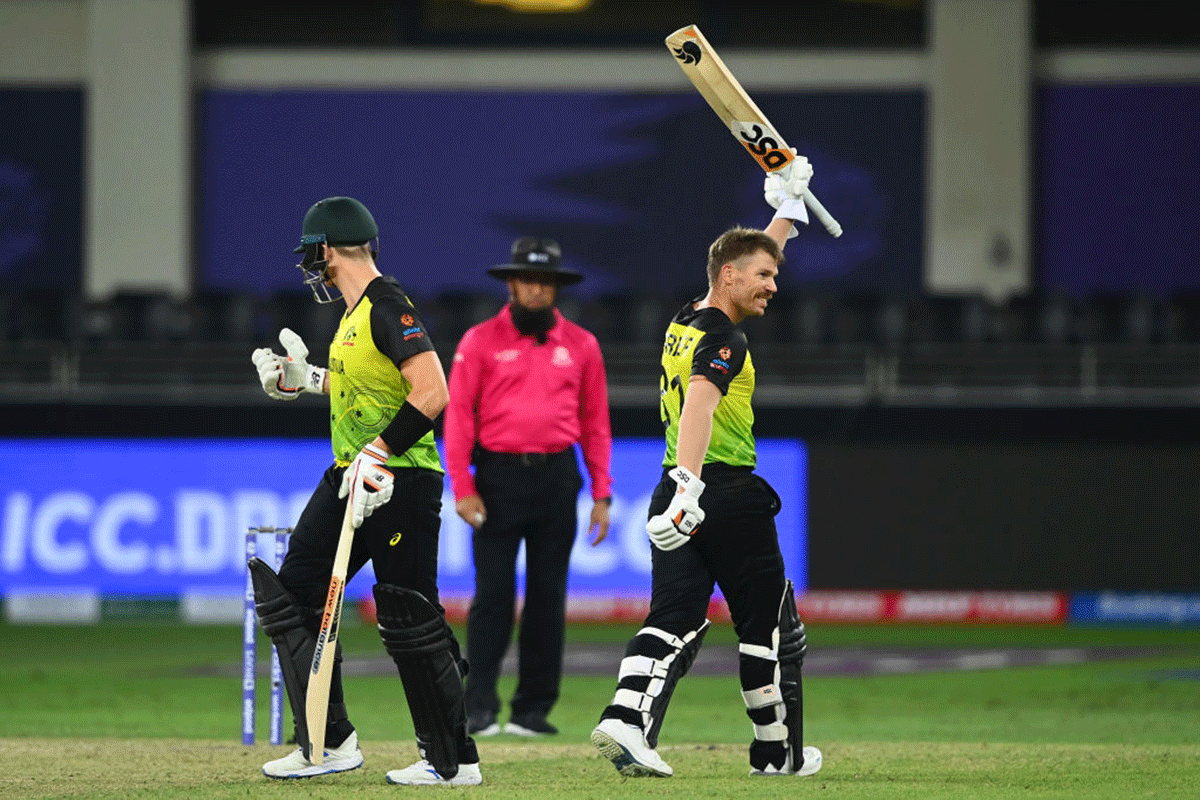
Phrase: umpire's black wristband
pixel 406 428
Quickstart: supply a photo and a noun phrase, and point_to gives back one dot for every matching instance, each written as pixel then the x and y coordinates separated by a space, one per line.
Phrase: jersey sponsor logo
pixel 505 356
pixel 720 366
pixel 561 357
pixel 337 365
pixel 413 333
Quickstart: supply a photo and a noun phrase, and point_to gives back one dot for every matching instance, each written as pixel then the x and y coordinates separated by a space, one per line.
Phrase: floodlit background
pixel 989 383
pixel 980 405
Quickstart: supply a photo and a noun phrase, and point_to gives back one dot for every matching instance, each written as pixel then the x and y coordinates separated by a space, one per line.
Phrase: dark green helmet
pixel 333 221
pixel 343 220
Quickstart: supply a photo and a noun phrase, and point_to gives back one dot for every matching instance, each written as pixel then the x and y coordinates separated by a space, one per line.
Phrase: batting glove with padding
pixel 368 483
pixel 784 190
pixel 672 528
pixel 285 377
pixel 789 183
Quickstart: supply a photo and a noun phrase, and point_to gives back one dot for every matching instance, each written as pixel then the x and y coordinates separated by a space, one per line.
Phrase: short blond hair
pixel 736 243
pixel 357 252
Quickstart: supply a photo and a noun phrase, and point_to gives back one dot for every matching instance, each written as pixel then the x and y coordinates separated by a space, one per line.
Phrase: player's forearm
pixel 695 433
pixel 779 230
pixel 696 423
pixel 429 400
pixel 429 393
pixel 694 436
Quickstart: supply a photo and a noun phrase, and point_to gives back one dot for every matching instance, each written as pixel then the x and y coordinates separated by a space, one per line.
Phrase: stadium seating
pixel 855 344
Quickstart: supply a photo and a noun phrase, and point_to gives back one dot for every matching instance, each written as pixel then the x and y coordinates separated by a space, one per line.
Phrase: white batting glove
pixel 672 528
pixel 285 377
pixel 789 183
pixel 784 190
pixel 368 483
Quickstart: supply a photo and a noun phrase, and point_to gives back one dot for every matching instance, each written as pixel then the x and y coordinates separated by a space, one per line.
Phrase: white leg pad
pixel 656 669
pixel 638 701
pixel 669 638
pixel 759 651
pixel 762 697
pixel 775 732
pixel 641 665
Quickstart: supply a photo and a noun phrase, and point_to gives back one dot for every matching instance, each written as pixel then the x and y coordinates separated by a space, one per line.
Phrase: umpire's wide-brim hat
pixel 542 256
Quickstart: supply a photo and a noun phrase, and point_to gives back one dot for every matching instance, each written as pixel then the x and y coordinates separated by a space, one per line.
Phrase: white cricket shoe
pixel 812 765
pixel 625 746
pixel 294 765
pixel 422 773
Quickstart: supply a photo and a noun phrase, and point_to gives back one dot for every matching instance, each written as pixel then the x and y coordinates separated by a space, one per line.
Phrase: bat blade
pixel 316 698
pixel 744 119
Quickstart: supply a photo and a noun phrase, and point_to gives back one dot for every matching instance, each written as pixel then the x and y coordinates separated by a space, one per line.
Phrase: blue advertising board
pixel 165 517
pixel 1151 609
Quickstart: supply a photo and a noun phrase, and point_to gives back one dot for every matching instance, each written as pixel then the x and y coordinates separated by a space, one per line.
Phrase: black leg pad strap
pixel 793 644
pixel 283 621
pixel 418 639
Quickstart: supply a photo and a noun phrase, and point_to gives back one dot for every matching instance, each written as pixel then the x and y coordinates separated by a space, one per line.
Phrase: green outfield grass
pixel 150 709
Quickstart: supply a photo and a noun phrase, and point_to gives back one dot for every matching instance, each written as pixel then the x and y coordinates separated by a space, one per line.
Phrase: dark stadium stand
pixel 810 348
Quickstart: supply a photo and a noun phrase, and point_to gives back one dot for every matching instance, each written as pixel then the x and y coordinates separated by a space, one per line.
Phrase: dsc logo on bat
pixel 763 143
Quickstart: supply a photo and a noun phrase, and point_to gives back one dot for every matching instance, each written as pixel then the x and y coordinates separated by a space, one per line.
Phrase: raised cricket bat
pixel 316 699
pixel 700 62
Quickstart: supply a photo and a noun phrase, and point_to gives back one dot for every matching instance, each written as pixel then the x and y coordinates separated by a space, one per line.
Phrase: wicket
pixel 250 643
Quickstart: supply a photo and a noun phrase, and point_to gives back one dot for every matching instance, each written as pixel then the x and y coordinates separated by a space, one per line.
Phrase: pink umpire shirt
pixel 513 395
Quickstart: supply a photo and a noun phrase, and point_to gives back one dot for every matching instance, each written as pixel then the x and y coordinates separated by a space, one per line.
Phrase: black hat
pixel 531 254
pixel 343 220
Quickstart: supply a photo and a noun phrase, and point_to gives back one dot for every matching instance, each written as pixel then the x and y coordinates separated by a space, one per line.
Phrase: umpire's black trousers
pixel 530 498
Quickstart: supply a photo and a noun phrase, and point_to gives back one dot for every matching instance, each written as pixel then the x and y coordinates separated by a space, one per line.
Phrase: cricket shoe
pixel 343 758
pixel 811 765
pixel 529 725
pixel 625 746
pixel 482 723
pixel 422 773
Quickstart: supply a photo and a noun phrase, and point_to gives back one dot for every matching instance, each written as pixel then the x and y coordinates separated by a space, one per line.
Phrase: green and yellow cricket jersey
pixel 706 342
pixel 365 385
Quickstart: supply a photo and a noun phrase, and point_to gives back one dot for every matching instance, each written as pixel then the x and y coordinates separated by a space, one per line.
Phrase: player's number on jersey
pixel 665 386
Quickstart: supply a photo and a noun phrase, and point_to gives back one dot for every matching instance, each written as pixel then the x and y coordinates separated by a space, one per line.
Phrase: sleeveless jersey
pixel 366 388
pixel 706 342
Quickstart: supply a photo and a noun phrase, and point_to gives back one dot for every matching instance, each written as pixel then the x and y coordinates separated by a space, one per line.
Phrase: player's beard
pixel 533 322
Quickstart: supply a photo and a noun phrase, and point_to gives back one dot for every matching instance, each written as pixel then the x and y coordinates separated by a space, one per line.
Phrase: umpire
pixel 526 385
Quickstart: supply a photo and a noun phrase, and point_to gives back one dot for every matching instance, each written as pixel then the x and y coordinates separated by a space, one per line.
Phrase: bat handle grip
pixel 818 210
